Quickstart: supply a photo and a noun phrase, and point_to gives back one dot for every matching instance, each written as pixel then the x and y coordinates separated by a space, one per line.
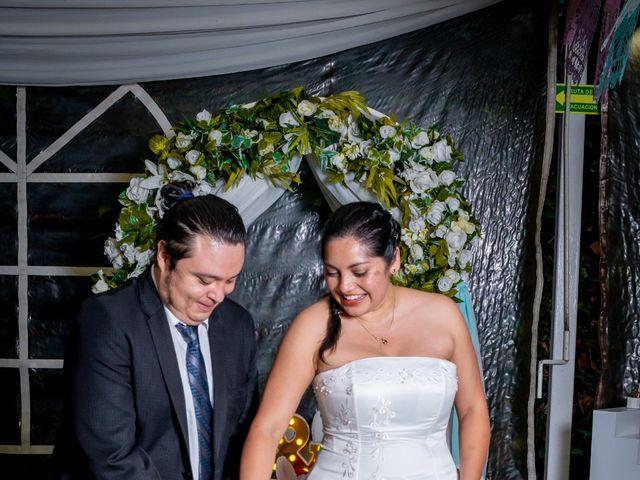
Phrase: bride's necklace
pixel 379 339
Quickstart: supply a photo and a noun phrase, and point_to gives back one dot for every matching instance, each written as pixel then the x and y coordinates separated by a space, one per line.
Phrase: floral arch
pixel 249 154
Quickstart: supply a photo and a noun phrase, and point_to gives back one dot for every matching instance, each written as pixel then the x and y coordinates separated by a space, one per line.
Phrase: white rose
pixel 426 153
pixel 453 275
pixel 326 114
pixel 444 284
pixel 364 147
pixel 143 258
pixel 142 263
pixel 183 141
pixel 447 177
pixel 287 119
pixel 192 156
pixel 465 258
pixel 215 136
pixel 151 183
pixel 130 252
pixel 414 210
pixel 464 222
pixel 424 181
pixel 159 202
pixel 177 176
pixel 338 162
pixel 416 225
pixel 420 140
pixel 336 125
pixel 464 276
pixel 136 192
pixel 455 238
pixel 119 234
pixel 203 116
pixel 440 232
pixel 452 203
pixel 173 162
pixel 353 132
pixel 350 150
pixel 387 131
pixel 101 285
pixel 417 253
pixel 411 173
pixel 394 155
pixel 306 108
pixel 152 167
pixel 199 171
pixel 441 151
pixel 203 188
pixel 113 253
pixel 434 215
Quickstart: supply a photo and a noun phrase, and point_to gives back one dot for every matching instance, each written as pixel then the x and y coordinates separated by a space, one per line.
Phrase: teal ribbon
pixel 466 307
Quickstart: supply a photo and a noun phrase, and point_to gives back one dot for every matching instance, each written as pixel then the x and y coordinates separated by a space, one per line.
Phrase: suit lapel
pixel 165 351
pixel 220 387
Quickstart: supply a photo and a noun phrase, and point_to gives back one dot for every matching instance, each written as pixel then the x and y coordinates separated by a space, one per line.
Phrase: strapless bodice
pixel 385 418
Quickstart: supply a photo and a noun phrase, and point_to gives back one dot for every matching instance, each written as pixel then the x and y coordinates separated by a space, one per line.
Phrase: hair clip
pixel 184 196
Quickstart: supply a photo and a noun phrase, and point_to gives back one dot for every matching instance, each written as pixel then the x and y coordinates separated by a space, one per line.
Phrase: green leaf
pixel 345 102
pixel 159 144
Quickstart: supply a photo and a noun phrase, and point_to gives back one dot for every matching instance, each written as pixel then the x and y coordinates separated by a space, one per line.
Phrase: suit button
pixel 187 475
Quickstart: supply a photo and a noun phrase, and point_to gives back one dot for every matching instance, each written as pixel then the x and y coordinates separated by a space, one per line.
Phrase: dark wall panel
pixel 9 316
pixel 620 209
pixel 68 223
pixel 52 111
pixel 8 224
pixel 8 142
pixel 53 302
pixel 10 410
pixel 46 388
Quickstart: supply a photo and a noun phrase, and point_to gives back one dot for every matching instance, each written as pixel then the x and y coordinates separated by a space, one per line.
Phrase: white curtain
pixel 93 42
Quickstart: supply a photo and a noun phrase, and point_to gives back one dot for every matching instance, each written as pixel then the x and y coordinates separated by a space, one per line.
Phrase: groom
pixel 162 372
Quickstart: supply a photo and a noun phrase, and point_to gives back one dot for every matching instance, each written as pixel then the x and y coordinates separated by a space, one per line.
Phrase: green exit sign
pixel 582 99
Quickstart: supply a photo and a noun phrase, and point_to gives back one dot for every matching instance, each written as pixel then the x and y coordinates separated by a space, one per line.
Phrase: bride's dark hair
pixel 372 226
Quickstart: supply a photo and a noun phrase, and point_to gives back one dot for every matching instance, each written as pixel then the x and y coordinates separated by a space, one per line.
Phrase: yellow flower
pixel 158 144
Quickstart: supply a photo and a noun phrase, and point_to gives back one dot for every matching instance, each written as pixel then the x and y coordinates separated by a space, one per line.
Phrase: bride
pixel 386 364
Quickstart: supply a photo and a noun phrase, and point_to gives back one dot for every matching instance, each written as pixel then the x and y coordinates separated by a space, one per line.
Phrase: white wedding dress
pixel 385 418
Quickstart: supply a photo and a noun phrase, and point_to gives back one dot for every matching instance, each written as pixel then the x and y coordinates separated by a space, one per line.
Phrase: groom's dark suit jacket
pixel 127 417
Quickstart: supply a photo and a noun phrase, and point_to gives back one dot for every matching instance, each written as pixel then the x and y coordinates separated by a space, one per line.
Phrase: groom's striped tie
pixel 200 391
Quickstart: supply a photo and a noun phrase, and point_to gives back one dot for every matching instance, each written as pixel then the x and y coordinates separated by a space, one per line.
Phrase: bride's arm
pixel 471 404
pixel 292 372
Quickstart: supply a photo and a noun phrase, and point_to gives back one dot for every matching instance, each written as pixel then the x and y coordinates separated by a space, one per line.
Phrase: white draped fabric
pixel 255 196
pixel 252 196
pixel 93 42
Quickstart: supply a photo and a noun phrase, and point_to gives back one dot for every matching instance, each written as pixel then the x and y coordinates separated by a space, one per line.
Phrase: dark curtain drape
pixel 619 203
